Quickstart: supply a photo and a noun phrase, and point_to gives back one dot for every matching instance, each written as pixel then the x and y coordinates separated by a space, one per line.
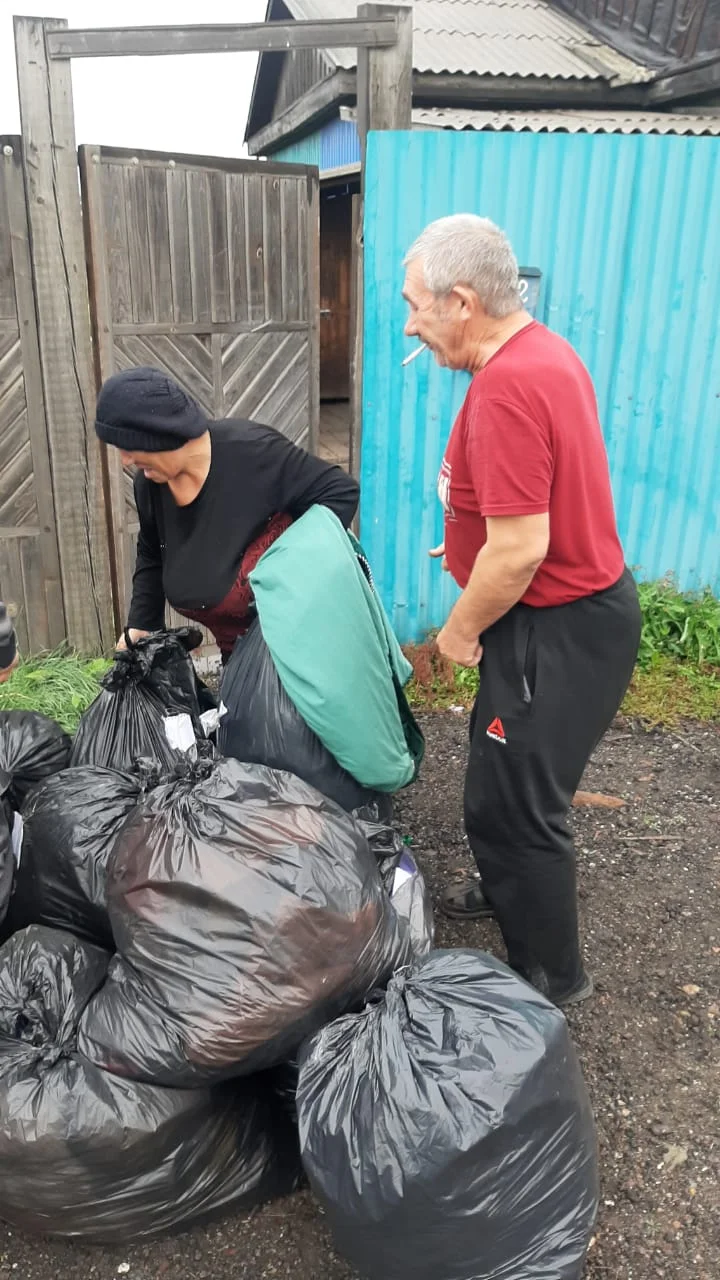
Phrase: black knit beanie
pixel 144 411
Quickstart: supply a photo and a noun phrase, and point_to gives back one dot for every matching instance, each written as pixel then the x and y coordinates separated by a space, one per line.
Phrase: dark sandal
pixel 581 991
pixel 466 901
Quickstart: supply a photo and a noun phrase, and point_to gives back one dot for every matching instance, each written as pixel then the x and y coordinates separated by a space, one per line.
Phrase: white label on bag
pixel 401 877
pixel 222 711
pixel 210 721
pixel 17 837
pixel 180 733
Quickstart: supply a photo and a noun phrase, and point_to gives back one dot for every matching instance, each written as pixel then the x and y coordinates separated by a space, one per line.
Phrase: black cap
pixel 145 411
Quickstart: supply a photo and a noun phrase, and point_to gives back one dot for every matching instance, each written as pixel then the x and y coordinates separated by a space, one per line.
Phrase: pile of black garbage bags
pixel 214 977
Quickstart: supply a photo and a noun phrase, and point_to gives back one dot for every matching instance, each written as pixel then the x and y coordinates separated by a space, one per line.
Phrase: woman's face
pixel 158 467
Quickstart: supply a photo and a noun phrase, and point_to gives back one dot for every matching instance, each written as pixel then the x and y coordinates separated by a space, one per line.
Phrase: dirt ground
pixel 649 881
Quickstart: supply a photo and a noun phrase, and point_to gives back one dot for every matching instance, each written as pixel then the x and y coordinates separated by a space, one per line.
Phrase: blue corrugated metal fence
pixel 626 233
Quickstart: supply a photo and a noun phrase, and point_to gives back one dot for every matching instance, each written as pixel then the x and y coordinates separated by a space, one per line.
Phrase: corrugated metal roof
pixel 565 121
pixel 493 37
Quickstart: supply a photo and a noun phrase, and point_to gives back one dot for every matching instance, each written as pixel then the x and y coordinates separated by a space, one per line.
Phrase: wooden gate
pixel 209 269
pixel 30 583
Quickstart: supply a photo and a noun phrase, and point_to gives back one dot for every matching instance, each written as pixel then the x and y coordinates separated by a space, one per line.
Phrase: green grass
pixel 668 692
pixel 677 677
pixel 60 685
pixel 680 626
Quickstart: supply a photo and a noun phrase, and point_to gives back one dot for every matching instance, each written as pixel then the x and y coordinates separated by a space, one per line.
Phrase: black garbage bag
pixel 260 724
pixel 71 823
pixel 402 878
pixel 408 893
pixel 247 911
pixel 447 1129
pixel 149 705
pixel 85 1154
pixel 31 748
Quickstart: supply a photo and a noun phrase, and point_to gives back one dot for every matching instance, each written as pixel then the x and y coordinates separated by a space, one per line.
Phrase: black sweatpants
pixel 551 681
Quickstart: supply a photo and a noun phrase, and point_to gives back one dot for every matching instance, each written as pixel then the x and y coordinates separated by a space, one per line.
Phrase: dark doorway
pixel 335 285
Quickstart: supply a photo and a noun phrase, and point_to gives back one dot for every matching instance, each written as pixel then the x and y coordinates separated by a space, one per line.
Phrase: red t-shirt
pixel 528 440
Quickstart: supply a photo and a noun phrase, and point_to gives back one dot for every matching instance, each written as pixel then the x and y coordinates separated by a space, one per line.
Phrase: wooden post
pixel 384 76
pixel 41 580
pixel 384 101
pixel 63 314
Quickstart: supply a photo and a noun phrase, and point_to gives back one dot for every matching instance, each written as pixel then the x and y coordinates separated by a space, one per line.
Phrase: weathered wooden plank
pixel 198 209
pixel 204 327
pixel 187 161
pixel 255 247
pixel 284 373
pixel 111 216
pixel 8 310
pixel 35 600
pixel 106 247
pixel 180 245
pixel 272 248
pixel 291 192
pixel 138 42
pixel 9 341
pixel 285 406
pixel 217 370
pixel 313 311
pixel 16 505
pixel 301 70
pixel 243 360
pixel 51 624
pixel 158 235
pixel 218 266
pixel 303 258
pixel 138 247
pixel 255 367
pixel 12 401
pixel 237 237
pixel 384 75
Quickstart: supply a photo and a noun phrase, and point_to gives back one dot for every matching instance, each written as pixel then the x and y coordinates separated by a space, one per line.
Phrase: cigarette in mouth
pixel 414 354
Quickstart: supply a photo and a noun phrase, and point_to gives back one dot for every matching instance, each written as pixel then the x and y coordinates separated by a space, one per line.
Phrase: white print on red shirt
pixel 444 480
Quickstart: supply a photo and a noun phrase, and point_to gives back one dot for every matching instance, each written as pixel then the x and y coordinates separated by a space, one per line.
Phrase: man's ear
pixel 467 301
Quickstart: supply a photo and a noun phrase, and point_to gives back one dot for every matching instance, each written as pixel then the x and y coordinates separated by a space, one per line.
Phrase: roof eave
pixel 304 115
pixel 446 89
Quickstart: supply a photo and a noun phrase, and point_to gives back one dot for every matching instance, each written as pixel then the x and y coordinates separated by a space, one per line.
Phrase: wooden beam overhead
pixel 265 37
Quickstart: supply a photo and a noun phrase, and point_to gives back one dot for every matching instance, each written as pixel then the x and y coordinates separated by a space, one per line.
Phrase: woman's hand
pixel 134 635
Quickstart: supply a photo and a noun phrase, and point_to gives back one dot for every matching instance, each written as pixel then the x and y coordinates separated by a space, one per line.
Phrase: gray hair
pixel 466 249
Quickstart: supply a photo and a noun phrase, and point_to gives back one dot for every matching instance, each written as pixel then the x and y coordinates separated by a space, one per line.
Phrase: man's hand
pixel 437 552
pixel 134 635
pixel 463 649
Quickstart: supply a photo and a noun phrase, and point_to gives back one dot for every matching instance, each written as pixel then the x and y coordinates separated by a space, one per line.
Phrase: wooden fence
pixel 207 268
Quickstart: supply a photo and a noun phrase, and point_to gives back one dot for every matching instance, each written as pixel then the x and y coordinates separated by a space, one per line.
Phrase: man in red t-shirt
pixel 547 606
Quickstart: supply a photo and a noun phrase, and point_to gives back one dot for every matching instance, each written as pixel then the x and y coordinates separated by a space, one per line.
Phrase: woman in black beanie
pixel 211 497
